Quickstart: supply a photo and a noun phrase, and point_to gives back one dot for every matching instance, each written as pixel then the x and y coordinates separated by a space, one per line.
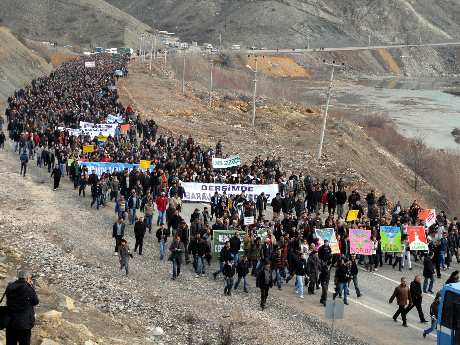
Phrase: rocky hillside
pixel 18 64
pixel 276 23
pixel 81 22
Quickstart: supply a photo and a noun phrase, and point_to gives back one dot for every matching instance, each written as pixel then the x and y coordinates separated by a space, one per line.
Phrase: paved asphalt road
pixel 370 316
pixel 290 51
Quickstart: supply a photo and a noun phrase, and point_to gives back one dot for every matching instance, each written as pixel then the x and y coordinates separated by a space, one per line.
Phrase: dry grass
pixel 439 168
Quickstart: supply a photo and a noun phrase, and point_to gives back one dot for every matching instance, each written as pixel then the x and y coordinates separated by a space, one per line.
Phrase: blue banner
pixel 103 167
pixel 114 118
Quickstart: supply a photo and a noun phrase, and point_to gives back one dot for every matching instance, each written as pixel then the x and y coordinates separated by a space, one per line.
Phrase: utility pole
pixel 220 41
pixel 142 48
pixel 254 96
pixel 369 43
pixel 328 99
pixel 151 57
pixel 139 50
pixel 155 47
pixel 210 85
pixel 183 75
pixel 308 42
pixel 165 56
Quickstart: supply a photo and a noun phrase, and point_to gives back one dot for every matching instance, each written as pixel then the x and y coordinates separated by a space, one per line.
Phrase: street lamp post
pixel 328 99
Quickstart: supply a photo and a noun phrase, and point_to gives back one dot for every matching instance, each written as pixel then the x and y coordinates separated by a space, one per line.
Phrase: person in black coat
pixel 325 252
pixel 416 297
pixel 118 232
pixel 139 232
pixel 428 273
pixel 21 299
pixel 242 270
pixel 276 205
pixel 56 174
pixel 324 277
pixel 264 282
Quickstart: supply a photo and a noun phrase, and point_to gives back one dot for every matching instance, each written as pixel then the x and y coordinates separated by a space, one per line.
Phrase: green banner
pixel 219 237
pixel 390 239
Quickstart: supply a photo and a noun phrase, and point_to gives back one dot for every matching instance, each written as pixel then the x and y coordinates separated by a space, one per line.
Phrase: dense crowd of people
pixel 281 245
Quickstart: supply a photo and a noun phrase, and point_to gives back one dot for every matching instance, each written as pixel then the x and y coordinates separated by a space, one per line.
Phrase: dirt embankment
pixel 284 130
pixel 18 64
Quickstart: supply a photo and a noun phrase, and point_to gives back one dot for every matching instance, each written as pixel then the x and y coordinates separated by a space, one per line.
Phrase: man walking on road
pixel 56 173
pixel 118 232
pixel 428 273
pixel 20 300
pixel 264 282
pixel 24 158
pixel 403 298
pixel 139 232
pixel 416 298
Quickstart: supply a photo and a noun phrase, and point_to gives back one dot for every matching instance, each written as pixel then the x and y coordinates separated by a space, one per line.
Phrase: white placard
pixel 222 163
pixel 198 191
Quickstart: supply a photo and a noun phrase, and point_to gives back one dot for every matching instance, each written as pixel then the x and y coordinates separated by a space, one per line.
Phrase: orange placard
pixel 124 128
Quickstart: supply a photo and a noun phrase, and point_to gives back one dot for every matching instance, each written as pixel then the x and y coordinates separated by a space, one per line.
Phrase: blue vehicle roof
pixel 454 287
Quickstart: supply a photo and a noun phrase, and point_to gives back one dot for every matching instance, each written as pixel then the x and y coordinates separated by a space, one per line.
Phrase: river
pixel 419 108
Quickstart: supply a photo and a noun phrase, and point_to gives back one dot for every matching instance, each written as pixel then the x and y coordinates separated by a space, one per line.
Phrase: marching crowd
pixel 278 247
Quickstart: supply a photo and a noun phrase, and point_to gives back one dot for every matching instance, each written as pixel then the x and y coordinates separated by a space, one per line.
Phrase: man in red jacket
pixel 162 204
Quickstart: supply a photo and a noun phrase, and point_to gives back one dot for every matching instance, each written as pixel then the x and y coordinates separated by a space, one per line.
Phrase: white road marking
pixel 377 311
pixel 391 280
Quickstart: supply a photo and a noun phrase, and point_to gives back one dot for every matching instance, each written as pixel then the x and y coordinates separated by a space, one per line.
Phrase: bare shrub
pixel 439 168
pixel 374 121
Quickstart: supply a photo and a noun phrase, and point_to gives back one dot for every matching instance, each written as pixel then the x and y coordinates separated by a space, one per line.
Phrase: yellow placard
pixel 352 215
pixel 144 164
pixel 102 138
pixel 88 148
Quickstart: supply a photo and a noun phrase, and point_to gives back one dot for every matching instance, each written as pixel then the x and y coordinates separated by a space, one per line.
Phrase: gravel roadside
pixel 70 246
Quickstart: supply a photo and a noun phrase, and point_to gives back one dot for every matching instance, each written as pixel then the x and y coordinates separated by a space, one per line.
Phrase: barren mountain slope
pixel 77 22
pixel 276 23
pixel 284 130
pixel 18 64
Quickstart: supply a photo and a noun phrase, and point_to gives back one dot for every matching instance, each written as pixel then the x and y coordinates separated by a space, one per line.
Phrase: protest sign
pixel 329 235
pixel 198 191
pixel 69 161
pixel 114 119
pixel 219 237
pixel 103 167
pixel 360 242
pixel 144 164
pixel 90 64
pixel 352 215
pixel 124 128
pixel 428 216
pixel 88 148
pixel 417 238
pixel 102 138
pixel 249 220
pixel 390 239
pixel 223 163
